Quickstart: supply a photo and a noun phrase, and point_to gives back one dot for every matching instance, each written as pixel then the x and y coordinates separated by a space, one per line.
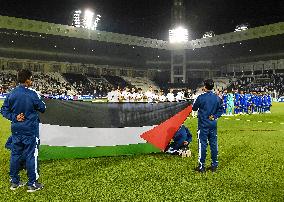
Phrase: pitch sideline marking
pixel 270 122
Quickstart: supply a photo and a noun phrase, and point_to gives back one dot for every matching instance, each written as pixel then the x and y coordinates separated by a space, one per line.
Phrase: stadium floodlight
pixel 208 34
pixel 241 27
pixel 178 35
pixel 77 18
pixel 87 19
pixel 98 18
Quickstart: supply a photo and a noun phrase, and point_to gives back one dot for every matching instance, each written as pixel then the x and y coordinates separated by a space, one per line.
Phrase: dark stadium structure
pixel 217 58
pixel 28 45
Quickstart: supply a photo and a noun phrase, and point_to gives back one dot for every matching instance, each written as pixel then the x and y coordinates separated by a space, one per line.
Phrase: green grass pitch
pixel 251 157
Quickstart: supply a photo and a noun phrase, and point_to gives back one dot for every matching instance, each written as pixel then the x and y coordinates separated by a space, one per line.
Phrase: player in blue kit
pixel 269 103
pixel 262 102
pixel 21 107
pixel 247 103
pixel 258 103
pixel 210 108
pixel 230 103
pixel 237 102
pixel 253 102
pixel 242 102
pixel 225 99
pixel 266 103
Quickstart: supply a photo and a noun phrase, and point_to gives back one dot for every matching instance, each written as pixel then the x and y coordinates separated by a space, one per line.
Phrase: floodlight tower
pixel 87 19
pixel 178 34
pixel 178 12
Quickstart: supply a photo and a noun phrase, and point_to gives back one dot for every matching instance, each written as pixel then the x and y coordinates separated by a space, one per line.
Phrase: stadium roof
pixel 55 48
pixel 20 38
pixel 152 18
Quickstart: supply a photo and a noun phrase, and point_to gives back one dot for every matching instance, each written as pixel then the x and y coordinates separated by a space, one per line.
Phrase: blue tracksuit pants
pixel 27 146
pixel 207 135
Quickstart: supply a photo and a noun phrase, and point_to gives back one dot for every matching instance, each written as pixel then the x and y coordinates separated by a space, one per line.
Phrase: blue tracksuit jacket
pixel 26 101
pixel 208 104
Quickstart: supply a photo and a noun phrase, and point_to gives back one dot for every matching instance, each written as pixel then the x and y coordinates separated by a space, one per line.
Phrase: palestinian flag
pixel 77 129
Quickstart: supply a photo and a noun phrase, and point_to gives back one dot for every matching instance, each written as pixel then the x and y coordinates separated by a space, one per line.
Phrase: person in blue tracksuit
pixel 210 108
pixel 181 140
pixel 21 107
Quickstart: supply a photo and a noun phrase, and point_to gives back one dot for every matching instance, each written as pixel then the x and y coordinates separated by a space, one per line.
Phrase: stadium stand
pixel 141 82
pixel 52 83
pixel 240 83
pixel 222 83
pixel 7 80
pixel 270 83
pixel 117 81
pixel 80 83
pixel 100 85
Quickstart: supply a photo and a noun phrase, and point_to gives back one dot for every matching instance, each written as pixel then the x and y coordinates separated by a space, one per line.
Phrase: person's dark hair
pixel 209 84
pixel 24 75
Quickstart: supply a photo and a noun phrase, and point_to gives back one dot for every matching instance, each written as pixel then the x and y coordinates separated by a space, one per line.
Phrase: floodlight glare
pixel 88 18
pixel 178 35
pixel 241 27
pixel 208 34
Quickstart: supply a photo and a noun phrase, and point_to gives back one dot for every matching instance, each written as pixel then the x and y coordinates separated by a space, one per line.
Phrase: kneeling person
pixel 181 141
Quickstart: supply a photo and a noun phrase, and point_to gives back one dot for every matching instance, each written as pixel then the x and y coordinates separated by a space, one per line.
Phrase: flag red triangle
pixel 161 135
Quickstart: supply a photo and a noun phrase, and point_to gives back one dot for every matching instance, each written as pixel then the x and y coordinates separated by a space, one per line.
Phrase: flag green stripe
pixel 61 152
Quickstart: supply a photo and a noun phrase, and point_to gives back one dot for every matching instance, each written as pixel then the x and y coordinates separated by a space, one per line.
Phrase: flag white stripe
pixel 54 135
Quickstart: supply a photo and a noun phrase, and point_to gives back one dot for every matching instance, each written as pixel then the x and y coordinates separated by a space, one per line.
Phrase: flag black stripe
pixel 108 115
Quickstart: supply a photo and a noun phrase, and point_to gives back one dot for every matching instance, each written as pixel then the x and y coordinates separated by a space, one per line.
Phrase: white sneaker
pixel 16 186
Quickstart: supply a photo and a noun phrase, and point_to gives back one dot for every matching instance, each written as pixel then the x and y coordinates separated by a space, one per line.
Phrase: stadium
pixel 79 69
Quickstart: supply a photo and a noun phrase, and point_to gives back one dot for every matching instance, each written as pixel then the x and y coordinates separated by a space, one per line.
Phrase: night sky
pixel 151 18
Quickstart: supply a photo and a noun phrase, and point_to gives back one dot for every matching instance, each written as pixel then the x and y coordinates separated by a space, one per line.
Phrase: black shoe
pixel 213 168
pixel 200 169
pixel 35 187
pixel 15 186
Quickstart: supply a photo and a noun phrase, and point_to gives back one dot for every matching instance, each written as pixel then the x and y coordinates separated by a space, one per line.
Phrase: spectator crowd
pixel 75 84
